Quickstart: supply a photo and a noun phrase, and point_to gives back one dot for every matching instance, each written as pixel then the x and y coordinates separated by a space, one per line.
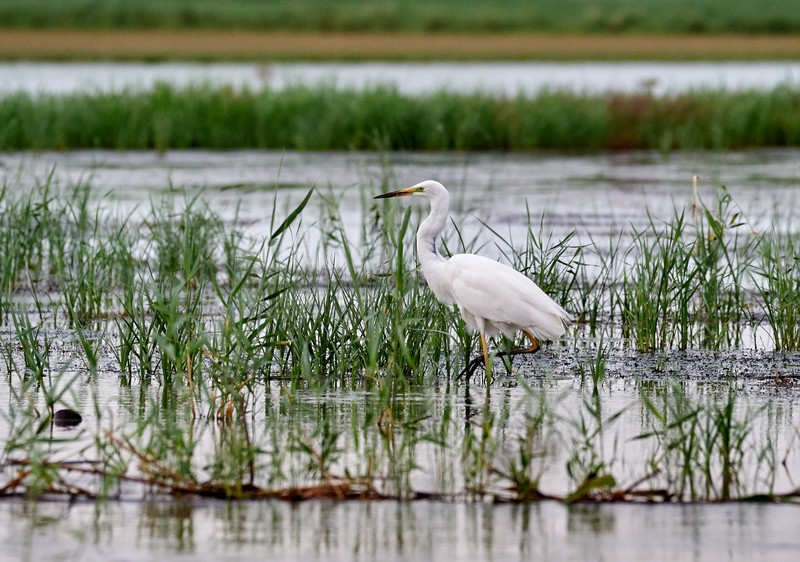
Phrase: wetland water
pixel 409 78
pixel 599 196
pixel 323 530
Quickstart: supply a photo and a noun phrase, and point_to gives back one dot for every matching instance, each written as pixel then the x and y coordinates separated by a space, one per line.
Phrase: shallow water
pixel 599 195
pixel 498 78
pixel 330 531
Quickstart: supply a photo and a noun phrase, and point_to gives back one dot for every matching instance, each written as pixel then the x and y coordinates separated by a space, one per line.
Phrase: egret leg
pixel 485 358
pixel 532 349
pixel 476 361
pixel 534 344
pixel 472 366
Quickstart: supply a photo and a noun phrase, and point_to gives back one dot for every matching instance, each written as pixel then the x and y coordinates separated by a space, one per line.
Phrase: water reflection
pixel 168 522
pixel 598 195
pixel 321 530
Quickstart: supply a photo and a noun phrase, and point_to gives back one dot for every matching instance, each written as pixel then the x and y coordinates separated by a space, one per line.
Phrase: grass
pixel 687 282
pixel 699 445
pixel 241 372
pixel 606 16
pixel 324 118
pixel 778 282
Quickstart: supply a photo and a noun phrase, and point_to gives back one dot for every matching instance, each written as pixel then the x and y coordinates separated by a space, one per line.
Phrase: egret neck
pixel 428 237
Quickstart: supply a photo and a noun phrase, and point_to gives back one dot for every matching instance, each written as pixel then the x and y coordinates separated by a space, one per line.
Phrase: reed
pixel 777 281
pixel 686 284
pixel 700 445
pixel 657 293
pixel 324 118
pixel 247 373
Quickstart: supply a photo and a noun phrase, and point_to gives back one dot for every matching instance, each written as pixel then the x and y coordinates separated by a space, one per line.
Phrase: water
pixel 599 195
pixel 498 78
pixel 329 531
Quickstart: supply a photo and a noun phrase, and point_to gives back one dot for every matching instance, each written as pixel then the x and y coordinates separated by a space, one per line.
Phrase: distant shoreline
pixel 16 44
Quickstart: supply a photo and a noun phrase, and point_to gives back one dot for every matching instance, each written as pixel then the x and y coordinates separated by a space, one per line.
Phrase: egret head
pixel 429 189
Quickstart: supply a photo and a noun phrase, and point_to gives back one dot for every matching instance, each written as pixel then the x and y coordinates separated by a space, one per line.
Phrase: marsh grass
pixel 724 249
pixel 701 444
pixel 686 286
pixel 248 374
pixel 657 293
pixel 381 118
pixel 778 281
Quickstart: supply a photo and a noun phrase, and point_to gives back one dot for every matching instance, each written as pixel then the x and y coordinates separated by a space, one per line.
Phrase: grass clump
pixel 700 446
pixel 686 283
pixel 778 283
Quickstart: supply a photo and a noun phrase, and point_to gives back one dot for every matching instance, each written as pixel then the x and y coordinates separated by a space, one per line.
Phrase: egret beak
pixel 400 192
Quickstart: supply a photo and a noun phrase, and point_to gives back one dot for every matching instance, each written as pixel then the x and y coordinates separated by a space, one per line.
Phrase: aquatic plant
pixel 777 279
pixel 381 118
pixel 241 371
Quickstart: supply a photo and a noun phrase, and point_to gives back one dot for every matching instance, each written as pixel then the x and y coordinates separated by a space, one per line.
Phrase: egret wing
pixel 503 297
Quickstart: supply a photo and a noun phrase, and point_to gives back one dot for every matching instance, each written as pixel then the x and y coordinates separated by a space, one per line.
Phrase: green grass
pixel 681 283
pixel 778 282
pixel 326 119
pixel 605 16
pixel 698 445
pixel 685 285
pixel 241 372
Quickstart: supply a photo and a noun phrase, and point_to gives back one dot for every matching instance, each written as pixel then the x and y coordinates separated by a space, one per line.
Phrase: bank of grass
pixel 243 373
pixel 324 118
pixel 605 16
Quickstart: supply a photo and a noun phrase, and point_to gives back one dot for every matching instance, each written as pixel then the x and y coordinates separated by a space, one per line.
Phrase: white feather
pixel 492 297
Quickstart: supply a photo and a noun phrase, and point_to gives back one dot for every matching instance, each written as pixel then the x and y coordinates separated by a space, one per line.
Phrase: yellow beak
pixel 400 192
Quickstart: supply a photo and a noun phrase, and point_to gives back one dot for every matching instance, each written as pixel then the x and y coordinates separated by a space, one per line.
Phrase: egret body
pixel 492 297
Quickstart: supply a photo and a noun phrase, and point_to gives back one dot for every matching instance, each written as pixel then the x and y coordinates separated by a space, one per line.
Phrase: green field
pixel 603 16
pixel 383 119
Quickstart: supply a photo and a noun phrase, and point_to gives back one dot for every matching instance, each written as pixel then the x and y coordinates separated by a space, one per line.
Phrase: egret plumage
pixel 491 297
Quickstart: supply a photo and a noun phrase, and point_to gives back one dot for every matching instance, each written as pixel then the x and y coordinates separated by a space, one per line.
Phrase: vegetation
pixel 605 16
pixel 243 373
pixel 328 119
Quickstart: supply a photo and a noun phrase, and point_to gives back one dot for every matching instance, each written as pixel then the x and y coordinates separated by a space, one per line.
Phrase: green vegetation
pixel 685 285
pixel 680 16
pixel 240 372
pixel 327 119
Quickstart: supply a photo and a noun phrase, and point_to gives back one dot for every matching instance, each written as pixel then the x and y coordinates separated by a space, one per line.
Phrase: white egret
pixel 492 297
